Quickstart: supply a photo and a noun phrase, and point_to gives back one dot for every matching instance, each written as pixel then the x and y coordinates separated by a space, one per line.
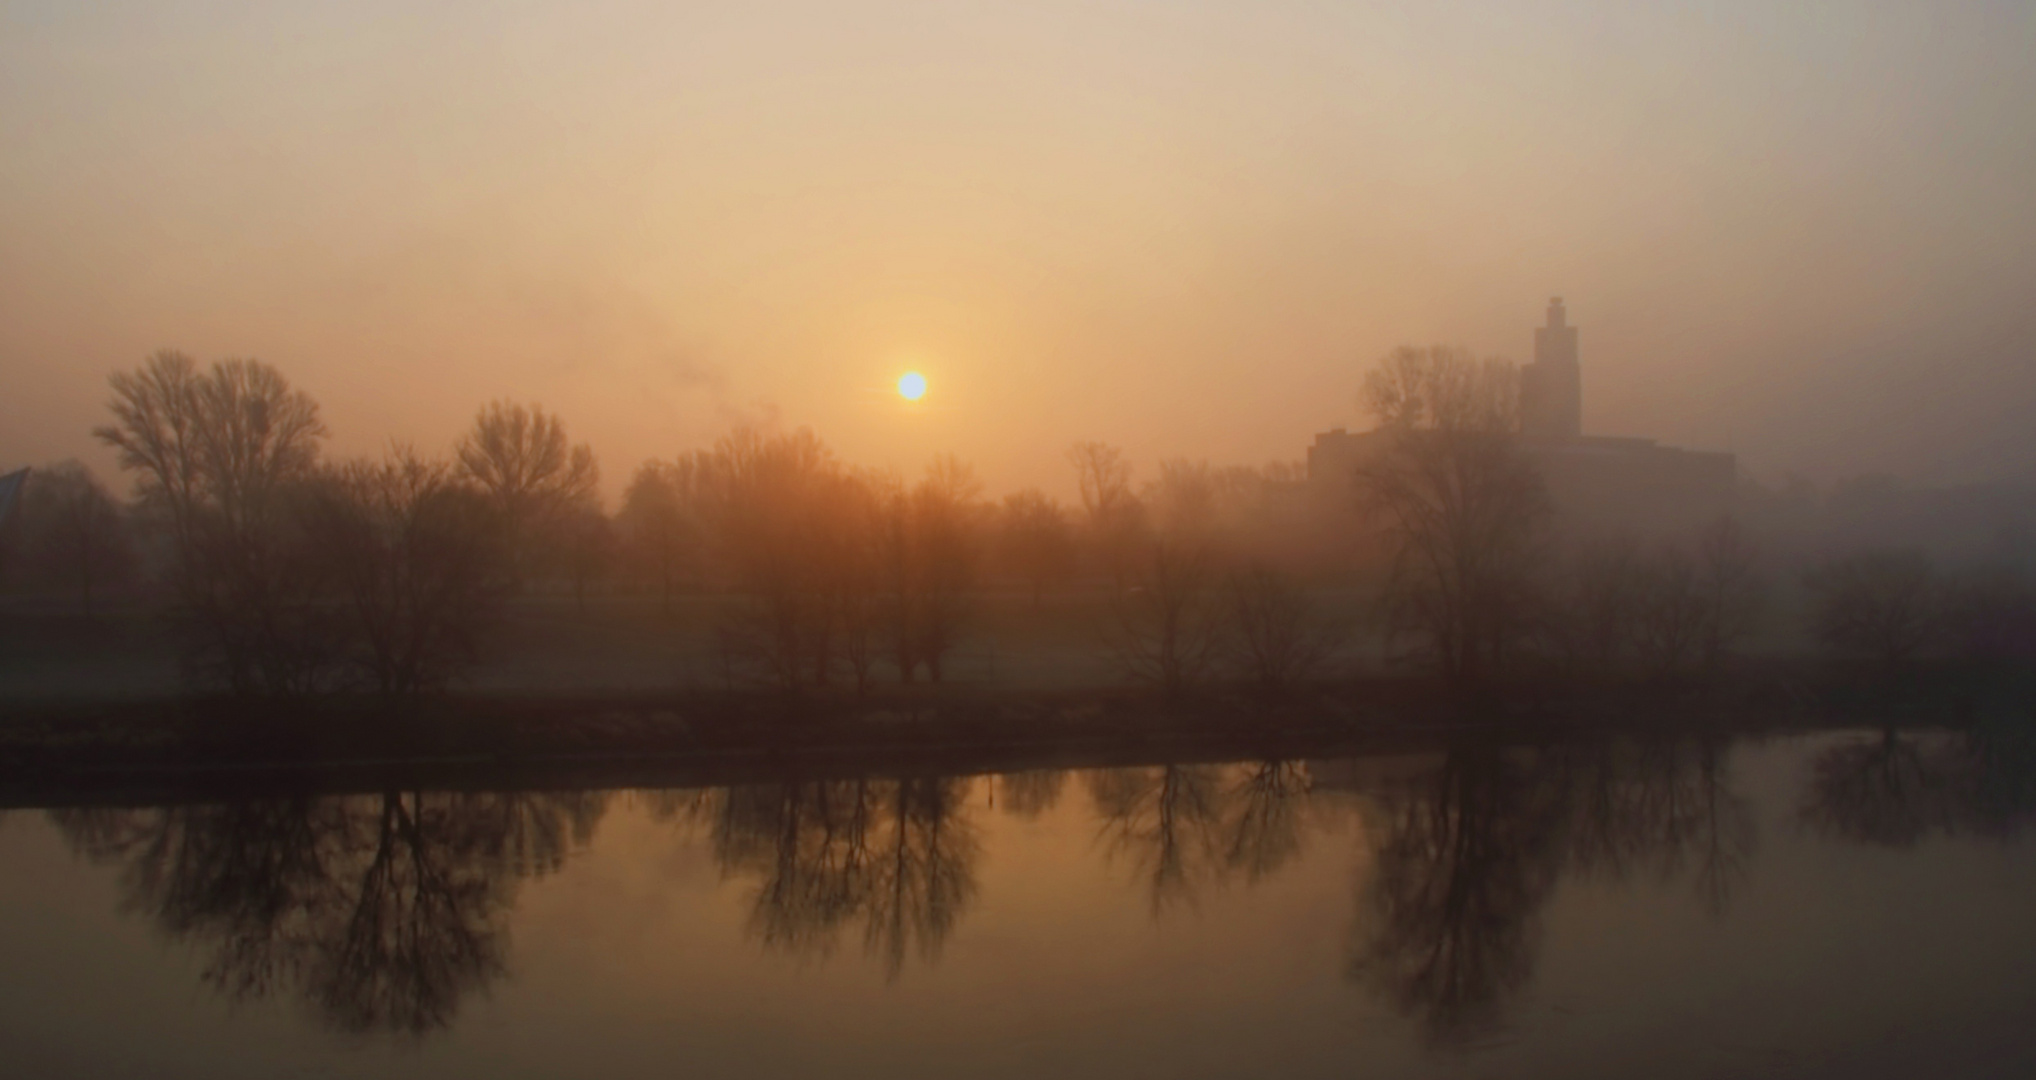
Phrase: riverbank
pixel 194 748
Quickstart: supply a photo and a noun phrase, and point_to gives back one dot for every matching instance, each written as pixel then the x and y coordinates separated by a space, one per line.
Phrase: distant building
pixel 1552 387
pixel 1595 483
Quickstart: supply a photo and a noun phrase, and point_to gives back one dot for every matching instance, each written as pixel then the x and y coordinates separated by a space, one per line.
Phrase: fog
pixel 1803 236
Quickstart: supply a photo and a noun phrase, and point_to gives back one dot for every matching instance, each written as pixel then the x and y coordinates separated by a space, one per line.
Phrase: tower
pixel 1552 387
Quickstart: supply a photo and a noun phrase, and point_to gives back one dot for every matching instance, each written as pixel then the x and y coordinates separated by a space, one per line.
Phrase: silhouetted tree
pixel 1882 605
pixel 660 523
pixel 587 547
pixel 1989 614
pixel 222 458
pixel 1278 636
pixel 1660 606
pixel 1168 628
pixel 74 535
pixel 1113 518
pixel 770 513
pixel 1734 590
pixel 1183 500
pixel 419 560
pixel 1598 605
pixel 520 456
pixel 1675 611
pixel 1034 542
pixel 1461 500
pixel 945 547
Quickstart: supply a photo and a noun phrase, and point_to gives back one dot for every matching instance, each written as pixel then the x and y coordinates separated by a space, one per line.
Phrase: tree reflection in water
pixel 1469 851
pixel 383 912
pixel 1895 789
pixel 1659 807
pixel 1030 794
pixel 1164 820
pixel 897 856
pixel 1184 826
pixel 1466 860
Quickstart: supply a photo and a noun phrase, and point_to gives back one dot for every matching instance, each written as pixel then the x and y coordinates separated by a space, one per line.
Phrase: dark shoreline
pixel 198 748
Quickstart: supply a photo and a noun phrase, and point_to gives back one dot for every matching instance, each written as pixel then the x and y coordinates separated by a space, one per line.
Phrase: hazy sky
pixel 1805 232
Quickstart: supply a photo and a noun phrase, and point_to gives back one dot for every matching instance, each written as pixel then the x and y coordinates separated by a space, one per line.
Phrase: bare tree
pixel 1279 636
pixel 1113 518
pixel 223 457
pixel 1882 604
pixel 520 456
pixel 944 511
pixel 1033 539
pixel 1168 628
pixel 1599 602
pixel 770 513
pixel 587 545
pixel 1675 612
pixel 1990 614
pixel 1460 499
pixel 660 523
pixel 1184 499
pixel 1734 590
pixel 420 562
pixel 76 537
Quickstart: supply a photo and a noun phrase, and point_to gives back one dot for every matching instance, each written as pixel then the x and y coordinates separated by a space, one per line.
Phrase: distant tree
pixel 1733 588
pixel 419 560
pixel 1675 611
pixel 1113 518
pixel 946 545
pixel 1278 635
pixel 222 458
pixel 587 546
pixel 1184 500
pixel 1461 501
pixel 520 456
pixel 76 537
pixel 1882 605
pixel 1990 614
pixel 770 514
pixel 854 572
pixel 213 450
pixel 1598 603
pixel 1168 627
pixel 1666 607
pixel 1034 542
pixel 660 523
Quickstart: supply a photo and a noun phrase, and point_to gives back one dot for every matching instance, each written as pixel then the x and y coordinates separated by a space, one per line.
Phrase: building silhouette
pixel 1552 387
pixel 1595 483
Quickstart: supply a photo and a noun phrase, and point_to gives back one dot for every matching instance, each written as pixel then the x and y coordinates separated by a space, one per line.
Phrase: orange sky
pixel 1803 235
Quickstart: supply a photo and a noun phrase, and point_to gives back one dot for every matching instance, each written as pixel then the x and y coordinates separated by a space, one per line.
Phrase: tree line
pixel 292 572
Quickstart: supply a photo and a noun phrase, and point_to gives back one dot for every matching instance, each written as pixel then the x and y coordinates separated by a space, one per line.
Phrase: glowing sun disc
pixel 912 386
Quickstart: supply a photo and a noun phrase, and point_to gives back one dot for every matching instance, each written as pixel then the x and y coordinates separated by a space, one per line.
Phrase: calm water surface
pixel 1838 905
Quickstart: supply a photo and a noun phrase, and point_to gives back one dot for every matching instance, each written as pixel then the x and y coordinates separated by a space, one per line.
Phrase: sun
pixel 912 386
